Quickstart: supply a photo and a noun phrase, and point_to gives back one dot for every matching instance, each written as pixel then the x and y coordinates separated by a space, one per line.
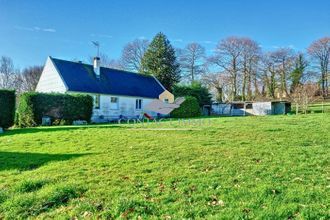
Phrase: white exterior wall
pixel 50 80
pixel 126 108
pixel 262 108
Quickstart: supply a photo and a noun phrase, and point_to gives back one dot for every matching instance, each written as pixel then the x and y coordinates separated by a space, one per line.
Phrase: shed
pixel 251 108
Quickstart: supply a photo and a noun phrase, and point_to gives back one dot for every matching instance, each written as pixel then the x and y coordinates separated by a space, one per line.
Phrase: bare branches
pixel 192 60
pixel 132 54
pixel 30 77
pixel 320 51
pixel 238 57
pixel 304 95
pixel 7 73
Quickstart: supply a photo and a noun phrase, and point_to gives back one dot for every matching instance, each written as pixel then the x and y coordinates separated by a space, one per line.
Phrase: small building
pixel 251 108
pixel 116 93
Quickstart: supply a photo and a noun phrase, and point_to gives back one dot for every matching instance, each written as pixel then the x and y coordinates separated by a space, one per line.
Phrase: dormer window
pixel 165 100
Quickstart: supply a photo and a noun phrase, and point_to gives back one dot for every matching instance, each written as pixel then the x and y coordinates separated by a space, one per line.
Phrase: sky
pixel 32 30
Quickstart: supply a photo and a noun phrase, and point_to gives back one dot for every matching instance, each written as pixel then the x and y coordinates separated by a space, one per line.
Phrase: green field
pixel 274 167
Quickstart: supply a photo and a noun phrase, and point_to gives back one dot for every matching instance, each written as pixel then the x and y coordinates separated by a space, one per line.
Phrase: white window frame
pixel 138 104
pixel 166 100
pixel 114 105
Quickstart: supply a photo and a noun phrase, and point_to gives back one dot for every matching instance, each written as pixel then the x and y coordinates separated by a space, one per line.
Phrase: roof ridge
pixel 109 68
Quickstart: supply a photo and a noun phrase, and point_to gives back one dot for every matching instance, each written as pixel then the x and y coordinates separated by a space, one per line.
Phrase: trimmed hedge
pixel 61 108
pixel 189 108
pixel 7 108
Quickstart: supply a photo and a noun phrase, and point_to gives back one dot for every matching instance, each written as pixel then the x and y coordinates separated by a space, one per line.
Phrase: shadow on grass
pixel 30 161
pixel 54 129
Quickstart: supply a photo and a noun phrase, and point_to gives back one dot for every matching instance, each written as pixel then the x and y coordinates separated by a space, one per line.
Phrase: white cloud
pixel 37 29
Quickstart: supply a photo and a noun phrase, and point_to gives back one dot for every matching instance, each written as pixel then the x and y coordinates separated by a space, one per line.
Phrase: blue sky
pixel 32 30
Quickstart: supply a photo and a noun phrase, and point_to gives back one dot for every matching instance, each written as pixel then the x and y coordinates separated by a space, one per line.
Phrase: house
pixel 116 93
pixel 251 108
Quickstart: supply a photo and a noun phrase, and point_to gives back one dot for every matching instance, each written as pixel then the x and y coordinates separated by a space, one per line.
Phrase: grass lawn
pixel 274 167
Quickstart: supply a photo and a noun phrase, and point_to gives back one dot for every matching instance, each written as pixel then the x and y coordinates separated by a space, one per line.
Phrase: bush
pixel 61 108
pixel 7 108
pixel 189 108
pixel 196 90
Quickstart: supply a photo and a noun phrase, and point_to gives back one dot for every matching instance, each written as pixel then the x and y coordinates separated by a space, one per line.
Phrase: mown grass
pixel 274 167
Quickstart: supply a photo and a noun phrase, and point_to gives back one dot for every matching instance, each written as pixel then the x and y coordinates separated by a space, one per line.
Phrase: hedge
pixel 189 108
pixel 7 108
pixel 201 93
pixel 61 108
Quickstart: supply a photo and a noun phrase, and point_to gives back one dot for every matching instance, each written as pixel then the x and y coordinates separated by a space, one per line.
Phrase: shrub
pixel 196 90
pixel 61 108
pixel 7 108
pixel 189 108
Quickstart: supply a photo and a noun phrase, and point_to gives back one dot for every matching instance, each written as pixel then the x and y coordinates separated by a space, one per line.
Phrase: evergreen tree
pixel 298 72
pixel 160 60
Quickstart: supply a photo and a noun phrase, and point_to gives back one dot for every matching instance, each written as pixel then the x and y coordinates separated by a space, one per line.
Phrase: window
pixel 166 100
pixel 114 104
pixel 138 104
pixel 96 101
pixel 248 106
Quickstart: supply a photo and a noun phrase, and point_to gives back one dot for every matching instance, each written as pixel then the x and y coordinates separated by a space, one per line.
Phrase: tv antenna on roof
pixel 97 45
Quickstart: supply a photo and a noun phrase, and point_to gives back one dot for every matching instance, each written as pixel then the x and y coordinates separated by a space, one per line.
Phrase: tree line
pixel 237 69
pixel 20 80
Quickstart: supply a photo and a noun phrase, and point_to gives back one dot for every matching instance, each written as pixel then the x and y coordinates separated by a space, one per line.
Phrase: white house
pixel 117 93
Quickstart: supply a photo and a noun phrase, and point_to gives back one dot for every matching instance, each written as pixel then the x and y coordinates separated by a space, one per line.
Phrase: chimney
pixel 96 65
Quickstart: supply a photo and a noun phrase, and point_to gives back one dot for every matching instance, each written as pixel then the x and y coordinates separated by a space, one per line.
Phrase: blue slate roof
pixel 80 77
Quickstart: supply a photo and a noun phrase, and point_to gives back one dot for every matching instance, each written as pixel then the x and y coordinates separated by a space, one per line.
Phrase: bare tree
pixel 7 73
pixel 219 83
pixel 192 60
pixel 304 95
pixel 277 67
pixel 132 54
pixel 320 51
pixel 284 61
pixel 30 77
pixel 268 75
pixel 227 58
pixel 250 57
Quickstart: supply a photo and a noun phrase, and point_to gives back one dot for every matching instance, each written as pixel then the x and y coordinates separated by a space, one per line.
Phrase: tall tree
pixel 160 60
pixel 250 58
pixel 227 58
pixel 284 60
pixel 298 72
pixel 269 74
pixel 277 66
pixel 192 61
pixel 132 54
pixel 320 52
